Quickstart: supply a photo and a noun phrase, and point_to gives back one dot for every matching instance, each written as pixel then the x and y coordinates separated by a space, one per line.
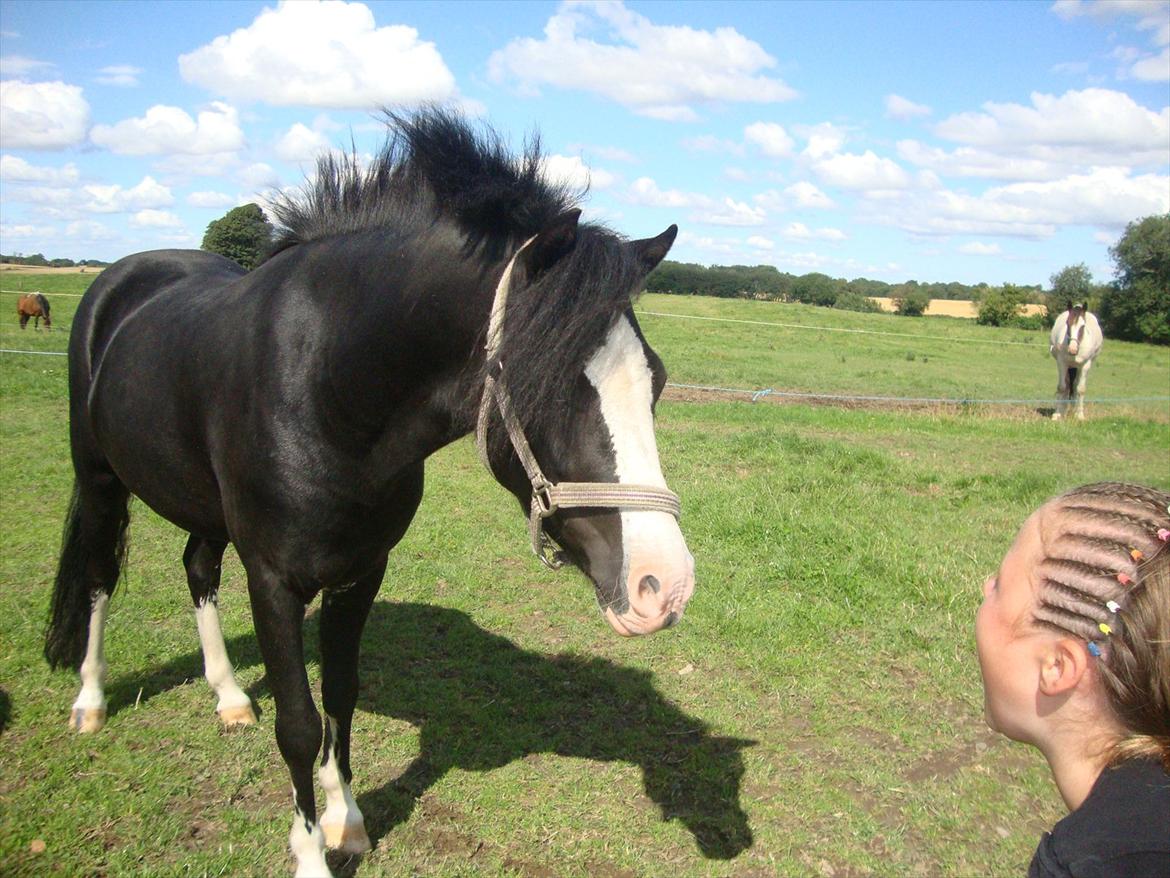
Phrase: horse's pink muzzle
pixel 658 595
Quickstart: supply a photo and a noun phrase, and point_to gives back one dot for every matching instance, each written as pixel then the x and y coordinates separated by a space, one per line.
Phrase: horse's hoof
pixel 88 719
pixel 237 716
pixel 348 838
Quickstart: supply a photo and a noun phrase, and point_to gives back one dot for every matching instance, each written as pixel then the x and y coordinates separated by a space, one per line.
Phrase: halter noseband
pixel 548 497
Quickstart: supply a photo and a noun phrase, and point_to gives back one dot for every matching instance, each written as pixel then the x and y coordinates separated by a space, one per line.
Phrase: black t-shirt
pixel 1122 830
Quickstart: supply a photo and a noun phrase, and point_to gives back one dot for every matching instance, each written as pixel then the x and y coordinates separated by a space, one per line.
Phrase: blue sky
pixel 989 141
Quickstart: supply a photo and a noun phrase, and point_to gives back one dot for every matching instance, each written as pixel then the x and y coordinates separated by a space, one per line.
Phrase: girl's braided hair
pixel 1105 578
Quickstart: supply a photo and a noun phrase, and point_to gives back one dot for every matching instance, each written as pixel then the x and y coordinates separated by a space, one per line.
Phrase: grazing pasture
pixel 821 709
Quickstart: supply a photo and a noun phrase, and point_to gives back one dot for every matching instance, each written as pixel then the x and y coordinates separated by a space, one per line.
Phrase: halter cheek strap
pixel 548 497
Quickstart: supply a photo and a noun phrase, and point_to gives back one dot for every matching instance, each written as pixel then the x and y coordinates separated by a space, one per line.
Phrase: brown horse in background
pixel 35 306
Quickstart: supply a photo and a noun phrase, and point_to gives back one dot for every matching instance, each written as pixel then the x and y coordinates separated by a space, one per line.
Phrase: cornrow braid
pixel 1105 578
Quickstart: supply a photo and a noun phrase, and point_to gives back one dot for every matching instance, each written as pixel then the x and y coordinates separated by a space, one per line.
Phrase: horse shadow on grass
pixel 480 702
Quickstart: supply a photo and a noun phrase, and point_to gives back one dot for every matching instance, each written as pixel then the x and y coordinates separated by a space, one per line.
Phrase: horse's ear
pixel 651 251
pixel 553 243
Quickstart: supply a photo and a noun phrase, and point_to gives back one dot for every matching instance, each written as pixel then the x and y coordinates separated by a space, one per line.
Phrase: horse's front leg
pixel 343 615
pixel 1062 390
pixel 1080 389
pixel 278 614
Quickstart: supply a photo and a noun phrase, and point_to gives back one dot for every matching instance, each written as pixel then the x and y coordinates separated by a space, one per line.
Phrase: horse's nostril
pixel 649 583
pixel 670 620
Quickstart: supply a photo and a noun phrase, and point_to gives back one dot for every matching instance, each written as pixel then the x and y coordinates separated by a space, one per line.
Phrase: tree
pixel 815 288
pixel 1001 305
pixel 1137 306
pixel 910 299
pixel 242 234
pixel 1073 283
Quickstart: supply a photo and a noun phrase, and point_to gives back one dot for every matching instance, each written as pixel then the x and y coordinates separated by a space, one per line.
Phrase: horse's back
pixel 123 288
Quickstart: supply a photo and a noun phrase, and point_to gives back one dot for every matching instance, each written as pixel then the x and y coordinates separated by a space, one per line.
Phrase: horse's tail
pixel 93 549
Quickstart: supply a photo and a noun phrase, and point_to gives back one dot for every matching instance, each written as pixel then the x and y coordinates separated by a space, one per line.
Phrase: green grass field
pixel 817 712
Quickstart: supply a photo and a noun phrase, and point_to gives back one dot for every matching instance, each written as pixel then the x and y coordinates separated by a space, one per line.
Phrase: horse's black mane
pixel 433 163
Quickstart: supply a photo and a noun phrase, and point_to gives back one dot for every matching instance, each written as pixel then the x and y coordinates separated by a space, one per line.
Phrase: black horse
pixel 252 408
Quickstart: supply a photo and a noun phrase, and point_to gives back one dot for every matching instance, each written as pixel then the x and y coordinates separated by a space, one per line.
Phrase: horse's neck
pixel 412 342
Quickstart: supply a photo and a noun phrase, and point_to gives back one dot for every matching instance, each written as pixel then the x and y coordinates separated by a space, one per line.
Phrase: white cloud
pixel 771 139
pixel 24 230
pixel 90 230
pixel 805 194
pixel 713 144
pixel 125 75
pixel 217 164
pixel 156 219
pixel 170 131
pixel 1105 196
pixel 1093 126
pixel 822 140
pixel 645 191
pixel 978 248
pixel 258 176
pixel 328 54
pixel 609 153
pixel 1152 68
pixel 301 144
pixel 969 162
pixel 1108 197
pixel 659 71
pixel 1151 15
pixel 864 172
pixel 16 170
pixel 799 231
pixel 19 65
pixel 761 243
pixel 210 199
pixel 41 115
pixel 733 213
pixel 898 107
pixel 114 198
pixel 573 172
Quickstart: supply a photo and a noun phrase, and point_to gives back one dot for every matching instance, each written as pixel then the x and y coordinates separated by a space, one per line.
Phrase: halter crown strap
pixel 548 497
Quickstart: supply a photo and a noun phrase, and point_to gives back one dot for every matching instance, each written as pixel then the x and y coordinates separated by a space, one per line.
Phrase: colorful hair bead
pixel 1094 650
pixel 1105 629
pixel 1164 534
pixel 1113 607
pixel 1124 579
pixel 1136 554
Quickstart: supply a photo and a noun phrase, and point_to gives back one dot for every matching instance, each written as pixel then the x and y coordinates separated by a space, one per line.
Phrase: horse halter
pixel 548 497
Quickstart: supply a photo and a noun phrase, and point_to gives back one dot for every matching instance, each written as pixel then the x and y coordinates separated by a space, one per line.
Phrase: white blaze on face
pixel 652 544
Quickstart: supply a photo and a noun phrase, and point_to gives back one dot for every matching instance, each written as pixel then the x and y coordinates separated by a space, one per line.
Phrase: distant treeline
pixel 768 282
pixel 39 260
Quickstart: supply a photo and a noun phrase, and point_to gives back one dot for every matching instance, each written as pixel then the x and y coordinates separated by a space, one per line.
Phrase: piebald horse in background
pixel 34 306
pixel 1075 342
pixel 486 307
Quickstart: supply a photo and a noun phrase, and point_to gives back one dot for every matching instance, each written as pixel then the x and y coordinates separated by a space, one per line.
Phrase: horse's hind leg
pixel 343 615
pixel 92 551
pixel 202 560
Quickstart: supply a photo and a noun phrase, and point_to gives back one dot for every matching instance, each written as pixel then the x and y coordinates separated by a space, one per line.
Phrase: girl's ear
pixel 1063 666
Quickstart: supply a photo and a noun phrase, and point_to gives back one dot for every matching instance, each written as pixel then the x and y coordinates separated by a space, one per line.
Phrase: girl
pixel 1074 645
